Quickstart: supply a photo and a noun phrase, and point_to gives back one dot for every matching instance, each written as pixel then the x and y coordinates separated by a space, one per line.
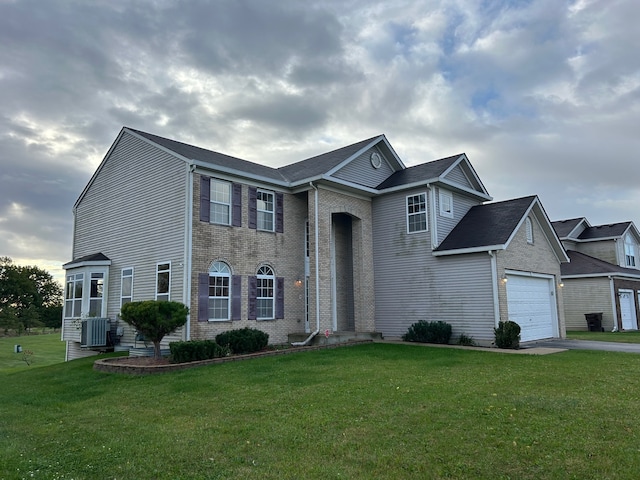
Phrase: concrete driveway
pixel 590 345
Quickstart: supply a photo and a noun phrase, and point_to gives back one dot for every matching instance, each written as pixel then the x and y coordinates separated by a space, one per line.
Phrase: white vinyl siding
pixel 629 252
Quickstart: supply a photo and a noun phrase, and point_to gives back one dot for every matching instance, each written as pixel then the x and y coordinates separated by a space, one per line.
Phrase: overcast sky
pixel 543 96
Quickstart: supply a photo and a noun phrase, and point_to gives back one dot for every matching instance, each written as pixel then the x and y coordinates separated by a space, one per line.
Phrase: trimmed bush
pixel 507 335
pixel 466 340
pixel 428 332
pixel 243 340
pixel 195 350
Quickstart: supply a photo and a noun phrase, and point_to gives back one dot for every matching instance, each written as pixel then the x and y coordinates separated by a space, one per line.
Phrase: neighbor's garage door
pixel 531 305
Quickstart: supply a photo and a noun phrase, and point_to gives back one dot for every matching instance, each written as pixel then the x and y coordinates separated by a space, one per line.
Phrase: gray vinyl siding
pixel 411 284
pixel 587 295
pixel 458 176
pixel 461 205
pixel 360 170
pixel 134 213
pixel 604 250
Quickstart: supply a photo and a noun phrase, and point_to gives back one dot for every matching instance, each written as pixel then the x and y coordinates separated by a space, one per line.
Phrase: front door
pixel 628 310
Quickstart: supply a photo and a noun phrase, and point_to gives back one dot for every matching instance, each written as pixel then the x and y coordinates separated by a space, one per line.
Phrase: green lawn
pixel 622 337
pixel 47 350
pixel 381 411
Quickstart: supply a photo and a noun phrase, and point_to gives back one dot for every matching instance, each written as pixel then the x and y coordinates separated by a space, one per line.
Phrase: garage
pixel 531 304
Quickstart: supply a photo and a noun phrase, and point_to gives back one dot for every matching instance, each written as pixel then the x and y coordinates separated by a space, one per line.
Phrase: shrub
pixel 466 341
pixel 507 335
pixel 428 332
pixel 243 340
pixel 195 350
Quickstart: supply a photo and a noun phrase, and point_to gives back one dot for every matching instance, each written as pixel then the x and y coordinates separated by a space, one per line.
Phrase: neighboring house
pixel 604 274
pixel 351 241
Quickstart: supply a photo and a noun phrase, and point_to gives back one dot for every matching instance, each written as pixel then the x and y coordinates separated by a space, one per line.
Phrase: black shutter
pixel 203 297
pixel 280 297
pixel 253 212
pixel 279 212
pixel 236 297
pixel 205 195
pixel 236 213
pixel 253 293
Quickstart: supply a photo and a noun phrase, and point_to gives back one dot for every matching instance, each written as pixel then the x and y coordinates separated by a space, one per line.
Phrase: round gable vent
pixel 376 160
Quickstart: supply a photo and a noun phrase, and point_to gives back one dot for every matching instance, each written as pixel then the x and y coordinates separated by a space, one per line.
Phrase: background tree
pixel 154 319
pixel 29 297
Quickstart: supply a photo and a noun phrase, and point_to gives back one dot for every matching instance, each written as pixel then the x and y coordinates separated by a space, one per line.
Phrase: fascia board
pixel 596 275
pixel 208 167
pixel 89 263
pixel 393 152
pixel 463 159
pixel 462 188
pixel 462 251
pixel 599 239
pixel 159 147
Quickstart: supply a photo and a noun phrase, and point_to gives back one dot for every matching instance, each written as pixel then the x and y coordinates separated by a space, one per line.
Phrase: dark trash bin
pixel 594 321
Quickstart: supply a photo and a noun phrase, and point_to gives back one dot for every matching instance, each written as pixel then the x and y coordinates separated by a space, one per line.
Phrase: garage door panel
pixel 530 306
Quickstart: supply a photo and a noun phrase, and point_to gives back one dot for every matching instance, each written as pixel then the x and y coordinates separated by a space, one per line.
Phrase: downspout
pixel 432 216
pixel 613 305
pixel 317 256
pixel 186 272
pixel 494 281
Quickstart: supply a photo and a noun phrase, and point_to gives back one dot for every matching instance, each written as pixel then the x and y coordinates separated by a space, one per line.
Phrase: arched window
pixel 265 283
pixel 529 227
pixel 219 291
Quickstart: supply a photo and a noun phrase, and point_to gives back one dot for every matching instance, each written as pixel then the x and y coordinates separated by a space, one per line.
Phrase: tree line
pixel 29 298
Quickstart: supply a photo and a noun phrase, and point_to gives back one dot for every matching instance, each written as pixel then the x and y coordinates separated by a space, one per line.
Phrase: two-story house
pixel 603 277
pixel 350 241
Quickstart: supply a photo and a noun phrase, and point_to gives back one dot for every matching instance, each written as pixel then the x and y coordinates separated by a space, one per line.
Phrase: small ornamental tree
pixel 154 319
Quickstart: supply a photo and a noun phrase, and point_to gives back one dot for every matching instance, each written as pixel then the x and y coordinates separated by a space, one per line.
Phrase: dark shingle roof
pixel 214 158
pixel 487 225
pixel 320 164
pixel 564 227
pixel 582 264
pixel 604 231
pixel 419 173
pixel 94 257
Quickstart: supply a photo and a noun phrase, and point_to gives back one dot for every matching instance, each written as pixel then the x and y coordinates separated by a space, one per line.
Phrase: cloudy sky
pixel 542 95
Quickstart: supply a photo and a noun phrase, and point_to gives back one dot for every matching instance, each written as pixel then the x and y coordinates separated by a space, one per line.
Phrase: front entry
pixel 342 273
pixel 628 310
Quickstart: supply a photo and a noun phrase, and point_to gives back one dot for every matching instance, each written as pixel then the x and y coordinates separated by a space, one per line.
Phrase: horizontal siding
pixel 604 250
pixel 75 351
pixel 587 295
pixel 360 170
pixel 457 175
pixel 134 213
pixel 461 205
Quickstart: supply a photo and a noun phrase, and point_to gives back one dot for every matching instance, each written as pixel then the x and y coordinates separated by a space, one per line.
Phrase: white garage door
pixel 531 302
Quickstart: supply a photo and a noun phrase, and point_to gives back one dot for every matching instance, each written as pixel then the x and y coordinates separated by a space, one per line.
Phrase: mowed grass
pixel 622 337
pixel 381 411
pixel 47 350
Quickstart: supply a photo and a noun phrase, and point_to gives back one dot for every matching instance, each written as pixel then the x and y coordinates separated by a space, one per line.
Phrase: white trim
pixel 272 212
pixel 445 194
pixel 229 297
pixel 613 303
pixel 494 286
pixel 122 277
pixel 460 251
pixel 426 212
pixel 229 205
pixel 188 249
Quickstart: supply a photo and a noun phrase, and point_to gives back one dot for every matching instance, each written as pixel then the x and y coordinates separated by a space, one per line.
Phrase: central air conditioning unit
pixel 94 332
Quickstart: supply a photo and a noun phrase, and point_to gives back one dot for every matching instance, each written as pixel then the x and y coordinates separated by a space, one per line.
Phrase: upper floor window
pixel 126 286
pixel 446 204
pixel 163 281
pixel 265 206
pixel 529 229
pixel 417 213
pixel 265 283
pixel 629 251
pixel 219 291
pixel 220 198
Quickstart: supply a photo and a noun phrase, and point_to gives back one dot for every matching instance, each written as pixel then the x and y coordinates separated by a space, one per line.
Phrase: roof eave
pixel 462 251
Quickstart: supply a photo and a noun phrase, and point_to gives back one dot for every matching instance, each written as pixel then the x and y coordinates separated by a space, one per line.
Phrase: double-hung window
pixel 163 281
pixel 220 198
pixel 219 291
pixel 629 251
pixel 265 206
pixel 265 282
pixel 446 204
pixel 417 213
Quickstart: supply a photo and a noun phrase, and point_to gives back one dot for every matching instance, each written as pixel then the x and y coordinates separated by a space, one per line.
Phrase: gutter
pixel 613 304
pixel 317 256
pixel 186 271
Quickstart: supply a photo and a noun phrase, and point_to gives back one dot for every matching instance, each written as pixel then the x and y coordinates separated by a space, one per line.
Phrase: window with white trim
pixel 220 198
pixel 219 291
pixel 446 204
pixel 126 286
pixel 417 213
pixel 163 281
pixel 73 296
pixel 265 206
pixel 629 251
pixel 265 281
pixel 96 294
pixel 529 230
